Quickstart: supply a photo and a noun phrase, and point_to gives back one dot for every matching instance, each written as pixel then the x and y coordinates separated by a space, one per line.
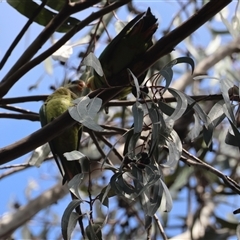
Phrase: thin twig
pixel 21 33
pixel 18 70
pixel 160 227
pixel 23 116
pixel 17 109
pixel 194 161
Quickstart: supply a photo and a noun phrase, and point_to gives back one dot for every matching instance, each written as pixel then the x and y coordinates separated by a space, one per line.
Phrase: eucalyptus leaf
pixel 175 150
pixel 225 86
pixel 216 114
pixel 28 7
pixel 165 108
pixel 74 155
pixel 199 111
pixel 138 117
pixel 74 184
pixel 231 139
pixel 167 73
pixel 168 199
pixel 39 155
pixel 196 129
pixel 135 80
pixel 69 220
pixel 132 144
pixel 85 112
pixel 182 104
pixel 92 61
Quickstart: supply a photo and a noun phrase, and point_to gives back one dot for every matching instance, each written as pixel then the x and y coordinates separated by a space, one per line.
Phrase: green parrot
pixel 133 41
pixel 55 105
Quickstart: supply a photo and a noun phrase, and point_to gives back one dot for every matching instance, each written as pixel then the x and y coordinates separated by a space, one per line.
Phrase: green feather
pixel 131 43
pixel 55 105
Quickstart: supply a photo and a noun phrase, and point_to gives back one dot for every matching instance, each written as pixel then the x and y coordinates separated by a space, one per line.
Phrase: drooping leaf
pixel 132 144
pixel 216 114
pixel 199 111
pixel 93 231
pixel 92 61
pixel 165 108
pixel 196 129
pixel 121 188
pixel 182 104
pixel 39 155
pixel 69 219
pixel 137 117
pixel 226 84
pixel 74 184
pixel 85 112
pixel 136 83
pixel 167 73
pixel 175 150
pixel 168 199
pixel 127 141
pixel 231 139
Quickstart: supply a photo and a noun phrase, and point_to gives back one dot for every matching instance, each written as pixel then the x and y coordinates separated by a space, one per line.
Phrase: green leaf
pixel 182 104
pixel 167 73
pixel 174 148
pixel 27 7
pixel 231 139
pixel 92 61
pixel 168 199
pixel 137 117
pixel 216 114
pixel 196 129
pixel 165 108
pixel 74 183
pixel 69 219
pixel 39 155
pixel 93 231
pixel 132 144
pixel 74 155
pixel 85 112
pixel 136 83
pixel 226 84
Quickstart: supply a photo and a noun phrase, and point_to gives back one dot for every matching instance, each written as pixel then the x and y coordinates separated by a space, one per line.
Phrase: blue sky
pixel 13 130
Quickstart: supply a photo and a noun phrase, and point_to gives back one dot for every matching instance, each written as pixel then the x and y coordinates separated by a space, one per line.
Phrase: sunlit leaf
pixel 74 155
pixel 167 202
pixel 92 61
pixel 196 129
pixel 85 112
pixel 74 184
pixel 175 150
pixel 39 155
pixel 136 84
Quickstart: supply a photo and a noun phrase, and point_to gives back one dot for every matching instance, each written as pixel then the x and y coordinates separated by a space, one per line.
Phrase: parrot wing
pixel 69 140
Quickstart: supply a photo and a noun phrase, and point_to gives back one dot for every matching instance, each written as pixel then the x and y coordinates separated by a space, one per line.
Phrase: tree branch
pixel 12 221
pixel 18 70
